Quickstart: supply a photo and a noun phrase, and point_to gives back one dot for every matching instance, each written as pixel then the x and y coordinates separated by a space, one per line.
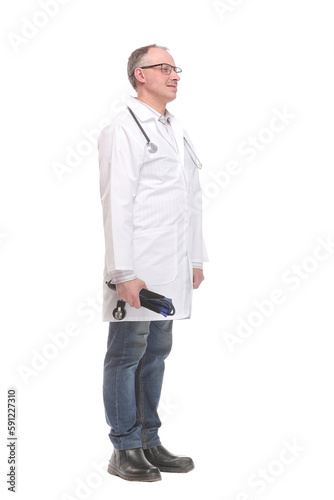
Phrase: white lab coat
pixel 151 210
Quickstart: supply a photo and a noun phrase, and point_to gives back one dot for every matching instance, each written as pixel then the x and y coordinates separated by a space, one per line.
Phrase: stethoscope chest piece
pixel 119 312
pixel 152 148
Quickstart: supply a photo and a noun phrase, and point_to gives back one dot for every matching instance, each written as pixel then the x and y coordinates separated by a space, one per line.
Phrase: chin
pixel 172 97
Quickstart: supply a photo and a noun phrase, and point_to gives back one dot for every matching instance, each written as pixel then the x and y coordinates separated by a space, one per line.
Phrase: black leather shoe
pixel 166 461
pixel 132 466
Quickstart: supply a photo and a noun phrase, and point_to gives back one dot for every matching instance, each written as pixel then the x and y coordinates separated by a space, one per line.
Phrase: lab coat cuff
pixel 198 265
pixel 122 276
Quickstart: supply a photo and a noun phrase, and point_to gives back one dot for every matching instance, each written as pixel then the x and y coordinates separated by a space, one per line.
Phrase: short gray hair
pixel 135 60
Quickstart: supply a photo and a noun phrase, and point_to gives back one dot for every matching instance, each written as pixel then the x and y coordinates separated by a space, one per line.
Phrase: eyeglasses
pixel 165 68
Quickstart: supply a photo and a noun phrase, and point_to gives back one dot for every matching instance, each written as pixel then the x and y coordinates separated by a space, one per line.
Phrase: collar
pixel 144 112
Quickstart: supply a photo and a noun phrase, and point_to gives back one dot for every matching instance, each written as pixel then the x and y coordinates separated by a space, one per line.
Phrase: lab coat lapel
pixel 161 129
pixel 144 114
pixel 178 133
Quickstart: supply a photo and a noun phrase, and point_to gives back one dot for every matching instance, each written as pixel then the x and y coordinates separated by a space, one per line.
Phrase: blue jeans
pixel 134 367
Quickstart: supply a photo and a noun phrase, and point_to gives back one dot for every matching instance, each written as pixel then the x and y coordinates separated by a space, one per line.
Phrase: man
pixel 151 203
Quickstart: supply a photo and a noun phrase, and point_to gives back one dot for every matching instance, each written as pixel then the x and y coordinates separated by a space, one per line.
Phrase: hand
pixel 198 277
pixel 129 291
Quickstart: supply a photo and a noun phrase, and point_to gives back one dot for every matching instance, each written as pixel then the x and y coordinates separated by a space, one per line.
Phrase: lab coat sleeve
pixel 120 157
pixel 199 252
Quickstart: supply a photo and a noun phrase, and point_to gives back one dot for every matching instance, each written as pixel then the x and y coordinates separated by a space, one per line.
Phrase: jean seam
pixel 141 393
pixel 117 378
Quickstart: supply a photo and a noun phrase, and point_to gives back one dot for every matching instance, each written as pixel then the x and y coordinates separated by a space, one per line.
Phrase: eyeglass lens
pixel 167 69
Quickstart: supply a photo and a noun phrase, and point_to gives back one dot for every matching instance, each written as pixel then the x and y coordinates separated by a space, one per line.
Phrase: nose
pixel 174 75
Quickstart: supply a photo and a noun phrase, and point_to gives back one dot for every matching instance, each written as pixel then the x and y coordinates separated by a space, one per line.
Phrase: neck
pixel 153 103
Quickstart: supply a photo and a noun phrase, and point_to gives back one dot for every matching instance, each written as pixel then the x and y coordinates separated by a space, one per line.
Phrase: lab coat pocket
pixel 155 254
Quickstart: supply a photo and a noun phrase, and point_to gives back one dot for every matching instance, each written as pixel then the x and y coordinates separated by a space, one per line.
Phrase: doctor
pixel 151 201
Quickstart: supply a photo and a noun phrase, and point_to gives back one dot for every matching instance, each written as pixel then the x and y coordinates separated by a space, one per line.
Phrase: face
pixel 152 81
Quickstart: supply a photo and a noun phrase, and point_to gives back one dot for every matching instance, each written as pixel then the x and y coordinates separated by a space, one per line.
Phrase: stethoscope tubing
pixel 192 154
pixel 139 125
pixel 153 148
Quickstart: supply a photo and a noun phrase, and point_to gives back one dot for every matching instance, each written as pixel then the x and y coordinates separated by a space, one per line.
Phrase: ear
pixel 139 75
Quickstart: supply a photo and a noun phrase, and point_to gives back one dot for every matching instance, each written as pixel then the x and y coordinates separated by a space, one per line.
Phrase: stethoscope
pixel 150 300
pixel 153 148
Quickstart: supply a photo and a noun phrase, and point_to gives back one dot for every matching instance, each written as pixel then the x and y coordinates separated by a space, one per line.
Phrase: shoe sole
pixel 177 471
pixel 115 471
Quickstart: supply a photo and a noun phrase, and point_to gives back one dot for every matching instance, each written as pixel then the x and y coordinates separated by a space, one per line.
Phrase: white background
pixel 233 409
